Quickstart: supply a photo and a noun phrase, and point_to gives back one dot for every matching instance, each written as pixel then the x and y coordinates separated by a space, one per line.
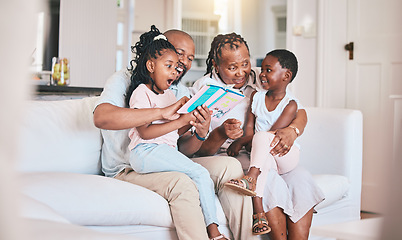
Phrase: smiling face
pixel 272 75
pixel 163 70
pixel 234 65
pixel 185 49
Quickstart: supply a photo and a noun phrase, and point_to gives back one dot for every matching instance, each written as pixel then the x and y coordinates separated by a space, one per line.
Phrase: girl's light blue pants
pixel 152 157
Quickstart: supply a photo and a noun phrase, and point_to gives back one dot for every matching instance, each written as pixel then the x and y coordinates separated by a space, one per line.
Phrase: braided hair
pixel 149 47
pixel 286 59
pixel 233 40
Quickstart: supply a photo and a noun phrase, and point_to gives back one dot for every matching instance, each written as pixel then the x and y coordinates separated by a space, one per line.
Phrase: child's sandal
pixel 219 237
pixel 247 187
pixel 259 223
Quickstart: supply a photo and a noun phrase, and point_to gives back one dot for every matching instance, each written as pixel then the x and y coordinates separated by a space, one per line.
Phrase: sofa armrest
pixel 332 143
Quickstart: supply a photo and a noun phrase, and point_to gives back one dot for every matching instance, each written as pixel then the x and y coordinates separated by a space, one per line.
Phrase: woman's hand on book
pixel 203 119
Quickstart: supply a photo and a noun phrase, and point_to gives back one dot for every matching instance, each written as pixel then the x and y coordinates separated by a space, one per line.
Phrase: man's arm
pixel 188 143
pixel 111 117
pixel 229 129
pixel 213 143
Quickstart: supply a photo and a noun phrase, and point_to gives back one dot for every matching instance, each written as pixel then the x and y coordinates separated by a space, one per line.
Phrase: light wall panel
pixel 88 32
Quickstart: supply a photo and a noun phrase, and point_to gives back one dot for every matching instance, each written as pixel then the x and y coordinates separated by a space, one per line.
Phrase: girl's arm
pixel 300 121
pixel 286 117
pixel 150 131
pixel 235 147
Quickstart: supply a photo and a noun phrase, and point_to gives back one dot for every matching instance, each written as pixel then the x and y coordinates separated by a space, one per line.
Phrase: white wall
pixel 251 25
pixel 164 14
pixel 198 7
pixel 88 33
pixel 299 13
pixel 92 54
pixel 258 25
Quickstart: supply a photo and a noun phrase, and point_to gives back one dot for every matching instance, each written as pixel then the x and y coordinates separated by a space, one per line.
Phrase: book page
pixel 206 95
pixel 226 103
pixel 218 99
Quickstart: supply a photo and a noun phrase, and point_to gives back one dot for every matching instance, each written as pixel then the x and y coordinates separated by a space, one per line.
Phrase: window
pixel 202 30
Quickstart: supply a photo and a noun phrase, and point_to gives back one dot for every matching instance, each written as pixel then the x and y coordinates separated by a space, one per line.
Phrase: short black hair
pixel 286 59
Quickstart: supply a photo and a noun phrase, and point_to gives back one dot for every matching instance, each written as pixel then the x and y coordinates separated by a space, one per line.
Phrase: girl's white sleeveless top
pixel 264 119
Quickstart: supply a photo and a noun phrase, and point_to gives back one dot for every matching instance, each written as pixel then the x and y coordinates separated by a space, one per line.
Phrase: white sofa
pixel 64 193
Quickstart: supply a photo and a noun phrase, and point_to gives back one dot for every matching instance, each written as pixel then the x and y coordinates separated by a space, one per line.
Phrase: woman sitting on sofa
pixel 294 194
pixel 115 119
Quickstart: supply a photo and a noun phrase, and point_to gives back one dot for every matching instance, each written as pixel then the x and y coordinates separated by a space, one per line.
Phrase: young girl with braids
pixel 153 146
pixel 292 196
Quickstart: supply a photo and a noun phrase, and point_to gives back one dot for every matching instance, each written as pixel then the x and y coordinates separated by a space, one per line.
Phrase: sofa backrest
pixel 332 141
pixel 60 136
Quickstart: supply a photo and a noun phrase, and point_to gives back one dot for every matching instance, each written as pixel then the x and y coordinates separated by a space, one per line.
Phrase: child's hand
pixel 232 128
pixel 234 148
pixel 187 118
pixel 203 119
pixel 170 112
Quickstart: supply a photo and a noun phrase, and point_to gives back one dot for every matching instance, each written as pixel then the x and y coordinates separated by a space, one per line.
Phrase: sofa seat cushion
pixel 334 187
pixel 96 200
pixel 49 230
pixel 33 209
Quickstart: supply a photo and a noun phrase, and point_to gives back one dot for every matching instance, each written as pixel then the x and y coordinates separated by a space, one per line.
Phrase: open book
pixel 218 99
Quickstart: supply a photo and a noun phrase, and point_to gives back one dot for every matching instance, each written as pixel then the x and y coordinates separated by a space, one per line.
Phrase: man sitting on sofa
pixel 115 119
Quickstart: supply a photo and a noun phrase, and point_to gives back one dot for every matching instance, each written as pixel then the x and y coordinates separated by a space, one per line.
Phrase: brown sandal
pixel 259 223
pixel 247 187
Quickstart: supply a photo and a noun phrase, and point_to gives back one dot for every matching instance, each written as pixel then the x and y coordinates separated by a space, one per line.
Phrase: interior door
pixel 373 76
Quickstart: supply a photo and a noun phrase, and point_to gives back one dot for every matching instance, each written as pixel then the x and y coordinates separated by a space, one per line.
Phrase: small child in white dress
pixel 268 111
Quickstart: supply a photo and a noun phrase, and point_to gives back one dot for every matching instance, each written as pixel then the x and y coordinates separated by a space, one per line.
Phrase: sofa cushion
pixel 97 200
pixel 49 230
pixel 60 136
pixel 33 209
pixel 334 187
